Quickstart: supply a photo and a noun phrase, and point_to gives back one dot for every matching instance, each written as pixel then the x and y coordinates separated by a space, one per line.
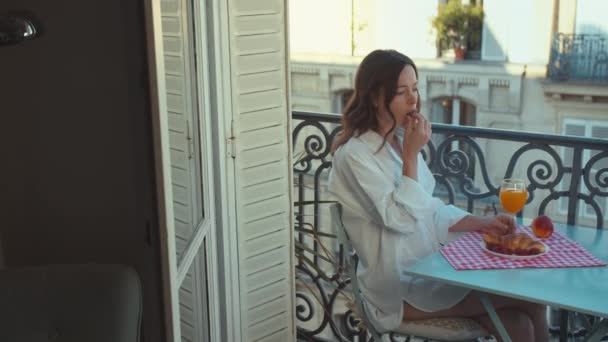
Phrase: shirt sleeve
pixel 445 217
pixel 397 206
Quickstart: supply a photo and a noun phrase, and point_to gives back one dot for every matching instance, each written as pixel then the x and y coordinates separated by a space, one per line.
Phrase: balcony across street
pixel 579 58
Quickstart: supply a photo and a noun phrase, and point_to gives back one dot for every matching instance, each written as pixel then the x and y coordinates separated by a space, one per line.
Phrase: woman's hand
pixel 493 225
pixel 498 225
pixel 417 134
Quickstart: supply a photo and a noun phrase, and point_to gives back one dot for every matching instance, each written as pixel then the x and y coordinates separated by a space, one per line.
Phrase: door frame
pixel 162 169
pixel 225 187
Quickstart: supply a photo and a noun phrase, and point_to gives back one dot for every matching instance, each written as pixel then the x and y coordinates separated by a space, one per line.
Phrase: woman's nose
pixel 411 98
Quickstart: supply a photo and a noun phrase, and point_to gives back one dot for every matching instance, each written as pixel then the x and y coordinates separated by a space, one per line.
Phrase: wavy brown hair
pixel 377 74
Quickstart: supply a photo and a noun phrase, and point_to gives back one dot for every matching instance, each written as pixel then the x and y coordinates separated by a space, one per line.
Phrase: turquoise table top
pixel 581 289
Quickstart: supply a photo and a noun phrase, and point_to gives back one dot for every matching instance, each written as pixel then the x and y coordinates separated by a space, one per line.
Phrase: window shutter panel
pixel 575 129
pixel 258 49
pixel 181 124
pixel 180 119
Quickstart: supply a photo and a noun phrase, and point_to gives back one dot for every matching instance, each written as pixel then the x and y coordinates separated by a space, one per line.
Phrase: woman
pixel 386 189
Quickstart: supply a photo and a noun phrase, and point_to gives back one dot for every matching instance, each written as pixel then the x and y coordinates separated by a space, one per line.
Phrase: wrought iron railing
pixel 579 57
pixel 567 179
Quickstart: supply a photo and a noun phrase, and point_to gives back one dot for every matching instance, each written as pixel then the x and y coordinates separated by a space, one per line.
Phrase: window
pixel 340 99
pixel 452 111
pixel 458 112
pixel 584 128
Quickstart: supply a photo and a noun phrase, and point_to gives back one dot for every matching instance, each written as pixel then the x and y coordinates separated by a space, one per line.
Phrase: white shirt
pixel 393 221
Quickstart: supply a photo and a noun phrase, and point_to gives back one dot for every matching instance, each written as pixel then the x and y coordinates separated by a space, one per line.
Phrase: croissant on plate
pixel 515 243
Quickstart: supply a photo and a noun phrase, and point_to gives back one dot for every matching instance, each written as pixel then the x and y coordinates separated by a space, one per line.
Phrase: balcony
pixel 567 179
pixel 579 58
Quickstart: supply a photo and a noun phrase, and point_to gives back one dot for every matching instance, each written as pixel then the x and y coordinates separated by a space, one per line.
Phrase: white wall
pixel 591 16
pixel 320 26
pixel 76 175
pixel 530 31
pixel 405 25
pixel 517 31
pixel 323 27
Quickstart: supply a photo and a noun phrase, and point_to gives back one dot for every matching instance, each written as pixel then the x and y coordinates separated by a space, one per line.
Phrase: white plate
pixel 513 256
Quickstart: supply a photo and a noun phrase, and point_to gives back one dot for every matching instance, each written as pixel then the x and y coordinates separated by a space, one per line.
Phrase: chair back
pixel 352 261
pixel 69 303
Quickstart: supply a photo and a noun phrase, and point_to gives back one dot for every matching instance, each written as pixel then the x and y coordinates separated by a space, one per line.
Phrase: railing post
pixel 574 184
pixel 300 217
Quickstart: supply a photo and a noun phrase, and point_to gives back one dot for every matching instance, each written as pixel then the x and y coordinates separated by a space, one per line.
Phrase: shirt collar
pixel 374 140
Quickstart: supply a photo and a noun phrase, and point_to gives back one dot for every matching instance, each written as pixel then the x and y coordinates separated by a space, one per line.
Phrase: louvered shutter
pixel 178 76
pixel 259 74
pixel 575 128
pixel 185 179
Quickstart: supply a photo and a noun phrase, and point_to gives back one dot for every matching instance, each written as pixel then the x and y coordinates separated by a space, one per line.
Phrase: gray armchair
pixel 70 303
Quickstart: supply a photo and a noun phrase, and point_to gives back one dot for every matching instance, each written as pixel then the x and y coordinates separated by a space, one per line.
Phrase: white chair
pixel 439 329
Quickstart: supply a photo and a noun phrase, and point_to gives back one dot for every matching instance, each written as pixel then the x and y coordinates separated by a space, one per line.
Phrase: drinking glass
pixel 513 195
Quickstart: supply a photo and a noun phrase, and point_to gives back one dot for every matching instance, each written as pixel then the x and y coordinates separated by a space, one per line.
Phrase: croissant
pixel 516 243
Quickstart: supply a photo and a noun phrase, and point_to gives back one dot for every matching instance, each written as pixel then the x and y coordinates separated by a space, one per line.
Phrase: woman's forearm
pixel 410 167
pixel 497 225
pixel 468 223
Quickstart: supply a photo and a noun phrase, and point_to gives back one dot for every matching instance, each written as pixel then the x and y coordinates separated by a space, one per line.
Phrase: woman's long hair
pixel 378 73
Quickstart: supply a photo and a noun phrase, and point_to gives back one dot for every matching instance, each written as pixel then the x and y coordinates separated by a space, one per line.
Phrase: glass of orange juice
pixel 513 195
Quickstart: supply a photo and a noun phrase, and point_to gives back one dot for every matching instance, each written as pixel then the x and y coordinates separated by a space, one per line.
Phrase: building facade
pixel 519 80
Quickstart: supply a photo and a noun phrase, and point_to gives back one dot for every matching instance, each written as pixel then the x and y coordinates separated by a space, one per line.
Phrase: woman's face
pixel 405 100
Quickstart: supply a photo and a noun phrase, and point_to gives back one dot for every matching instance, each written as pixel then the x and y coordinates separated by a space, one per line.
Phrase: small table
pixel 580 289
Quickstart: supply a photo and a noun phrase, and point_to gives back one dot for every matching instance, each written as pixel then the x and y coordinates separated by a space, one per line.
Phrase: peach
pixel 542 226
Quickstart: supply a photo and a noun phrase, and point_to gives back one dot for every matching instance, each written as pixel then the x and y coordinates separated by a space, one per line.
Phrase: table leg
pixel 599 330
pixel 487 304
pixel 563 325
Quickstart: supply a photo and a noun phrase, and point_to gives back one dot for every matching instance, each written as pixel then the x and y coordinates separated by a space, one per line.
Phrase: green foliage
pixel 458 25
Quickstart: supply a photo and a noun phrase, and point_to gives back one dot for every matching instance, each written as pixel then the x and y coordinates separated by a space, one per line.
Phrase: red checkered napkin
pixel 466 253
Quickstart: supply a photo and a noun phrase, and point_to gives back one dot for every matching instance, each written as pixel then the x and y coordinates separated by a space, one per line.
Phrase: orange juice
pixel 513 200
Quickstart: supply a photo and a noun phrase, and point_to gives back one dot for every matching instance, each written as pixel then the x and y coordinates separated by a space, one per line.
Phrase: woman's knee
pixel 518 322
pixel 533 309
pixel 540 309
pixel 537 311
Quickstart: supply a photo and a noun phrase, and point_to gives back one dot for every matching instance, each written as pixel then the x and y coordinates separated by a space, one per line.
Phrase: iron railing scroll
pixel 566 176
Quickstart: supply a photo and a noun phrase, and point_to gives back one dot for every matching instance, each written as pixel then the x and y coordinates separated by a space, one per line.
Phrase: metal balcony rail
pixel 561 172
pixel 579 57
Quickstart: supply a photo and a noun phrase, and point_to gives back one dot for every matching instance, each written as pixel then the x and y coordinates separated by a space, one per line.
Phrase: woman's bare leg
pixel 471 307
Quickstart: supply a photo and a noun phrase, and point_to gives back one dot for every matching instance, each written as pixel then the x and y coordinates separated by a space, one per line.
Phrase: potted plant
pixel 458 26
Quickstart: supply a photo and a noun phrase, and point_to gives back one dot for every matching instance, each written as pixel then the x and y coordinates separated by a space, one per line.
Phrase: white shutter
pixel 258 49
pixel 180 122
pixel 575 128
pixel 181 119
pixel 184 126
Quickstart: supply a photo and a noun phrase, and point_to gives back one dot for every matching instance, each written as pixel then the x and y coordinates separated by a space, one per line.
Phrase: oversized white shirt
pixel 393 221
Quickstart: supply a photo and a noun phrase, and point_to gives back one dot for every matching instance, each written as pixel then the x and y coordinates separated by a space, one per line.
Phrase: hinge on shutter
pixel 189 141
pixel 230 142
